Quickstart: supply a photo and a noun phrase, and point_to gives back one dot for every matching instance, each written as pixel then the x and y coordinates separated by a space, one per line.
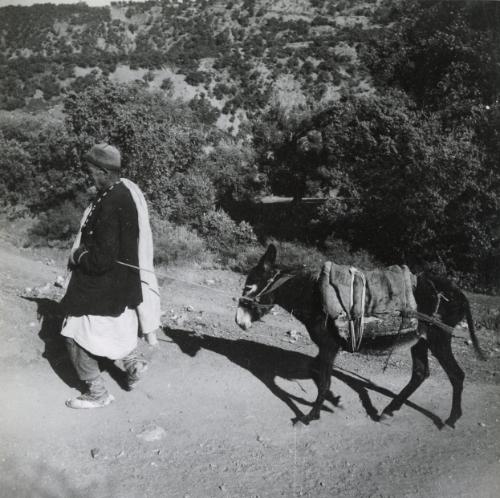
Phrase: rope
pixel 355 344
pixel 434 321
pixel 165 275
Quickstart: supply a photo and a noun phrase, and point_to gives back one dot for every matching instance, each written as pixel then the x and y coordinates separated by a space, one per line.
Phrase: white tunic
pixel 108 336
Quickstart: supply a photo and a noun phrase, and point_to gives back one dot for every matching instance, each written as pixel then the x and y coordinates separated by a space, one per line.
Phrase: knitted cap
pixel 105 156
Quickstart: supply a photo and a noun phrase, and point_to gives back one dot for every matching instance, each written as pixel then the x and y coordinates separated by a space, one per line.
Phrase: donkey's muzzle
pixel 243 318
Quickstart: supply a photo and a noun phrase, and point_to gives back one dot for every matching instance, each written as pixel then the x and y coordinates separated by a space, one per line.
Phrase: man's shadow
pixel 268 362
pixel 51 319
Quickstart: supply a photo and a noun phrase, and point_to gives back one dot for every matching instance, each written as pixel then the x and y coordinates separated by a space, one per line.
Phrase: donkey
pixel 298 292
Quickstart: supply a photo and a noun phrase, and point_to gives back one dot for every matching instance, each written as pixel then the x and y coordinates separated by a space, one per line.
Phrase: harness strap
pixel 274 284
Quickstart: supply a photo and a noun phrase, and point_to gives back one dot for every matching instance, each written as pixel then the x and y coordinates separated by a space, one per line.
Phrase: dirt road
pixel 213 417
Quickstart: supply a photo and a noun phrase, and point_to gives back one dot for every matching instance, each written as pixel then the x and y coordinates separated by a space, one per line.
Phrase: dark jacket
pixel 99 285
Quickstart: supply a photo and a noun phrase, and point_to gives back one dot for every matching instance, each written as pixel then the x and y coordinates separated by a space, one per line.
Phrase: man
pixel 108 296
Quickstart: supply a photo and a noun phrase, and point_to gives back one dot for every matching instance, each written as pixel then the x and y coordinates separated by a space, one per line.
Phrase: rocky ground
pixel 213 416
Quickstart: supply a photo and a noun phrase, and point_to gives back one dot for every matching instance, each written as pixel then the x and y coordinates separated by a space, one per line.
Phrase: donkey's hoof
pixel 382 417
pixel 306 419
pixel 386 414
pixel 302 419
pixel 335 400
pixel 451 422
pixel 439 424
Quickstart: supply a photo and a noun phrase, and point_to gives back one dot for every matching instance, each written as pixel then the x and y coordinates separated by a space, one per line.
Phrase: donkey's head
pixel 257 298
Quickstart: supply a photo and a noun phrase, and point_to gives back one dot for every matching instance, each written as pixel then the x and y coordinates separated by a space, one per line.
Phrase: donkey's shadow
pixel 268 362
pixel 51 319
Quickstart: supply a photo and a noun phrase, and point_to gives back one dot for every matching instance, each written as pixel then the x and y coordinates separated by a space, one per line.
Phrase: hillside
pixel 242 55
pixel 387 111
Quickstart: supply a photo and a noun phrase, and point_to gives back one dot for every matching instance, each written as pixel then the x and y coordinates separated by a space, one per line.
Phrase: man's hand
pixel 151 338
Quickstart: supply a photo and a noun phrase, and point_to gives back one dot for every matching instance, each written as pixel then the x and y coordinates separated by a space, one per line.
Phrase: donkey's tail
pixel 472 330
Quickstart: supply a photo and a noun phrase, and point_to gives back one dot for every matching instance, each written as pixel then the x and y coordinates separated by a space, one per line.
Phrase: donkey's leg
pixel 441 349
pixel 315 374
pixel 326 356
pixel 420 372
pixel 325 335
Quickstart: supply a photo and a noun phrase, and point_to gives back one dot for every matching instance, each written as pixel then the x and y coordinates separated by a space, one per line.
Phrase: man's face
pixel 98 175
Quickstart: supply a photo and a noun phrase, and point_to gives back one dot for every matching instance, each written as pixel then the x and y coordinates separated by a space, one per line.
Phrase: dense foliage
pixel 166 148
pixel 411 172
pixel 443 54
pixel 387 116
pixel 38 168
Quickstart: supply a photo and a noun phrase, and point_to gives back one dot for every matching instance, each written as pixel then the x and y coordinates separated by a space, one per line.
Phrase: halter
pixel 271 285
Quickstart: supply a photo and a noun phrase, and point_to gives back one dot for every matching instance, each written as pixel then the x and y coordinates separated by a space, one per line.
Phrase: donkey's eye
pixel 250 288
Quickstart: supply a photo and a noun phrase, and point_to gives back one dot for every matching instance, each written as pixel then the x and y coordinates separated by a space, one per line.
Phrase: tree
pixel 440 53
pixel 407 188
pixel 161 142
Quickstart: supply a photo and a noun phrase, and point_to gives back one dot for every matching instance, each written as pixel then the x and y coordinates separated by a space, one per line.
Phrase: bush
pixel 245 258
pixel 167 84
pixel 342 253
pixel 56 227
pixel 295 255
pixel 186 198
pixel 14 170
pixel 224 236
pixel 39 168
pixel 176 244
pixel 195 78
pixel 232 171
pixel 203 110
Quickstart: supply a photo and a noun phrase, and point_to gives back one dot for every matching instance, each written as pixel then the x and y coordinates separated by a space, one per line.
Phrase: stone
pixel 153 434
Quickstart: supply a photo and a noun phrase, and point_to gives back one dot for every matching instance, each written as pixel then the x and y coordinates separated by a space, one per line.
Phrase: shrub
pixel 342 253
pixel 186 198
pixel 223 235
pixel 38 167
pixel 294 255
pixel 56 227
pixel 232 171
pixel 14 170
pixel 195 78
pixel 176 243
pixel 167 84
pixel 203 110
pixel 15 225
pixel 245 258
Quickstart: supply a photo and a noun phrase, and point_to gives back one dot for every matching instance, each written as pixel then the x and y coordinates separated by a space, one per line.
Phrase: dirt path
pixel 213 417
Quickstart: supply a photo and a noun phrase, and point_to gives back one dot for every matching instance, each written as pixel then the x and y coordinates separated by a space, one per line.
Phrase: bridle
pixel 277 280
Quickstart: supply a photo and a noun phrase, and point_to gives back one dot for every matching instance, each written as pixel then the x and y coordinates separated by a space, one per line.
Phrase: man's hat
pixel 104 156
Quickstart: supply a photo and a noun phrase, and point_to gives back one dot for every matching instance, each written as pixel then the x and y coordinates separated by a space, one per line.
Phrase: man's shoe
pixel 87 401
pixel 134 374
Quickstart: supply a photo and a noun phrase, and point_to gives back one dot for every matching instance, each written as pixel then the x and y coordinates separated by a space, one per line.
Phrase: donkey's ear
pixel 269 257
